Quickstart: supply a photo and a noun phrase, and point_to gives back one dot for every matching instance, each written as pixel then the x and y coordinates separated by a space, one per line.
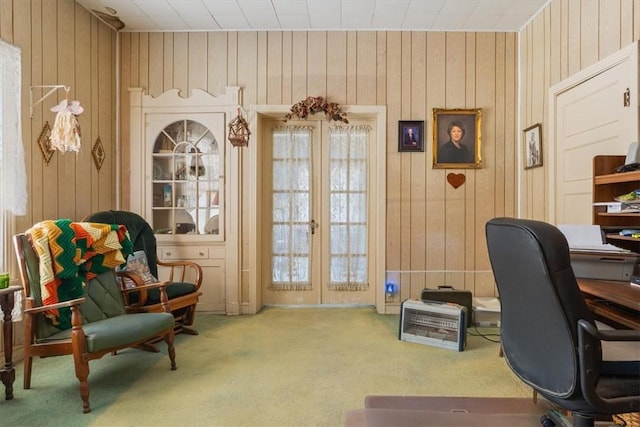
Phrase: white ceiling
pixel 308 15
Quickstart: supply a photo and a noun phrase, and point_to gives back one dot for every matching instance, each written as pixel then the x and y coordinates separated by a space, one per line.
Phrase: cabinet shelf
pixel 607 185
pixel 614 178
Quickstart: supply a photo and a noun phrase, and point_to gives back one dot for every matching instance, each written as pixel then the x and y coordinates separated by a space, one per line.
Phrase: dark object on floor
pixel 549 337
pixel 100 324
pixel 185 277
pixel 461 297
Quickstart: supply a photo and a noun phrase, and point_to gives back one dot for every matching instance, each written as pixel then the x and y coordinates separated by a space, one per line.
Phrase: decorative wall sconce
pixel 98 153
pixel 239 131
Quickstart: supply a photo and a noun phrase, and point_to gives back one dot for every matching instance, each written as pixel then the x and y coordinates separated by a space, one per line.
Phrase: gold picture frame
pixel 457 138
pixel 532 146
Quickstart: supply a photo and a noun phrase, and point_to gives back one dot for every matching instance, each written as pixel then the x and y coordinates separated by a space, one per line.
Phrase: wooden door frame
pixel 629 53
pixel 251 273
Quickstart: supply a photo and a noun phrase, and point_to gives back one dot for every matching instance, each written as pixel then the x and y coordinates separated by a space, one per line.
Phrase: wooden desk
pixel 8 372
pixel 618 302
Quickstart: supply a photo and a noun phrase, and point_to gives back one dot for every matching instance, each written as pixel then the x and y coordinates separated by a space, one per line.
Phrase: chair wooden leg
pixel 28 363
pixel 169 338
pixel 82 373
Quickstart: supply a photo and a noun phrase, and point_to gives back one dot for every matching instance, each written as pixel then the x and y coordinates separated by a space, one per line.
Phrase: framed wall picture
pixel 533 146
pixel 410 135
pixel 456 138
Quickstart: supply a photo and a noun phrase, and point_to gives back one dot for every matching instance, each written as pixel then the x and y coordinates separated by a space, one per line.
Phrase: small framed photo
pixel 410 135
pixel 533 146
pixel 456 138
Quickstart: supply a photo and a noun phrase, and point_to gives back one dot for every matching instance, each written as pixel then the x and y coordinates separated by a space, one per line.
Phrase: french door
pixel 316 243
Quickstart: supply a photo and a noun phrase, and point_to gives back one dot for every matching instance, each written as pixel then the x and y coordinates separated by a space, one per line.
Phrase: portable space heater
pixel 437 324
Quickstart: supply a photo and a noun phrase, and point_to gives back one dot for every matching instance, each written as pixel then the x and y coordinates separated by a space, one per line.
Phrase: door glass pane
pixel 348 208
pixel 291 199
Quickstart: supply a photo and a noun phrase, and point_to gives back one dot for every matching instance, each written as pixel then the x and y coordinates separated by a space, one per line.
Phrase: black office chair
pixel 549 337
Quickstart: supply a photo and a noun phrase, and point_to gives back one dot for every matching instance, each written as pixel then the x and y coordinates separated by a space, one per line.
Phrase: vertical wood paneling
pixel 125 125
pixel 105 125
pixel 366 68
pixel 299 66
pixel 567 37
pixel 418 194
pixel 217 62
pixel 485 89
pixel 180 63
pixel 352 67
pixel 274 67
pixel 167 70
pixel 337 67
pixel 31 57
pixel 588 33
pixel 82 91
pixel 609 28
pixel 261 68
pixel 410 73
pixel 317 63
pixel 197 61
pixel 57 46
pixel 156 61
pixel 143 55
pixel 436 76
pixel 48 186
pixel 394 113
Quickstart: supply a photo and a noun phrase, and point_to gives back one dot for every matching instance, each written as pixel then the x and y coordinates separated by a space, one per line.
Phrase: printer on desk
pixel 591 258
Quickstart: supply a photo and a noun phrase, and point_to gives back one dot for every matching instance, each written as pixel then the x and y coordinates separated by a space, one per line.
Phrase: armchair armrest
pixel 142 288
pixel 183 266
pixel 43 308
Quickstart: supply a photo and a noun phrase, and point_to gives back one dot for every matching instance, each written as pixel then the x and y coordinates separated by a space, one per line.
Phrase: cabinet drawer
pixel 177 253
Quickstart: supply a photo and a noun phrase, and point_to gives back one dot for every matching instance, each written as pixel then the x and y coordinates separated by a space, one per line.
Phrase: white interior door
pixel 317 241
pixel 595 112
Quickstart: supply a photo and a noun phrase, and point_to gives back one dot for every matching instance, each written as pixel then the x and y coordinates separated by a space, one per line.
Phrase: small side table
pixel 8 372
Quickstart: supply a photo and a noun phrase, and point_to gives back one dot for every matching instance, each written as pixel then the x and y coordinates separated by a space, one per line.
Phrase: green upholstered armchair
pixel 100 322
pixel 184 281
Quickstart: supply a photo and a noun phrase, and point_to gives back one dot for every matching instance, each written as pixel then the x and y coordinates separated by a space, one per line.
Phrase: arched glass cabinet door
pixel 187 180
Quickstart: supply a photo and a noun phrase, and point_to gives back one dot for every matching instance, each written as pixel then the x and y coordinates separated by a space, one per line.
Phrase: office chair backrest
pixel 541 304
pixel 140 232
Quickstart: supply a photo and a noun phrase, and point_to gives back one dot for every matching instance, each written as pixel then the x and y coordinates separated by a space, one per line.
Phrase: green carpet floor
pixel 281 367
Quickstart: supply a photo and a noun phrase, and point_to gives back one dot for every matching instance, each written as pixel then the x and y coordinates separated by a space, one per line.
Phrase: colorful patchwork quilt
pixel 71 254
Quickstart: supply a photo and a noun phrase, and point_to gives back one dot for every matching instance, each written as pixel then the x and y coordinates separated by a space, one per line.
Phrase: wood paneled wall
pixel 430 225
pixel 566 37
pixel 62 43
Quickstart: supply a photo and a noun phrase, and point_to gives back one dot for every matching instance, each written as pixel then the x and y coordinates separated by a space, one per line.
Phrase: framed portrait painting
pixel 410 135
pixel 533 146
pixel 457 138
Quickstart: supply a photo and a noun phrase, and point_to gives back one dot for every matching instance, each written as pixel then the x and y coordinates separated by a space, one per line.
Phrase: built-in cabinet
pixel 179 180
pixel 607 185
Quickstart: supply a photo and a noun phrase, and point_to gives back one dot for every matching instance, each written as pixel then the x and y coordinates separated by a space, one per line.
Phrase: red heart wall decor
pixel 456 179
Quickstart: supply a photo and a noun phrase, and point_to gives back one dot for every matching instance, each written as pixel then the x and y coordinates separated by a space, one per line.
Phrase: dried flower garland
pixel 316 104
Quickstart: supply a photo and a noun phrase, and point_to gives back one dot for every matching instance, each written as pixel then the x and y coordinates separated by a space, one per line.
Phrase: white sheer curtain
pixel 291 198
pixel 13 177
pixel 348 207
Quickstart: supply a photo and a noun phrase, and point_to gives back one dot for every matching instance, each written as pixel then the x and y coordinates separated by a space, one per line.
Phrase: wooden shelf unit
pixel 607 185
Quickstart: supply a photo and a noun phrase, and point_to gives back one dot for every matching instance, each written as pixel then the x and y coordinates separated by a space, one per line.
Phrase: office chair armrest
pixel 609 334
pixel 43 308
pixel 591 366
